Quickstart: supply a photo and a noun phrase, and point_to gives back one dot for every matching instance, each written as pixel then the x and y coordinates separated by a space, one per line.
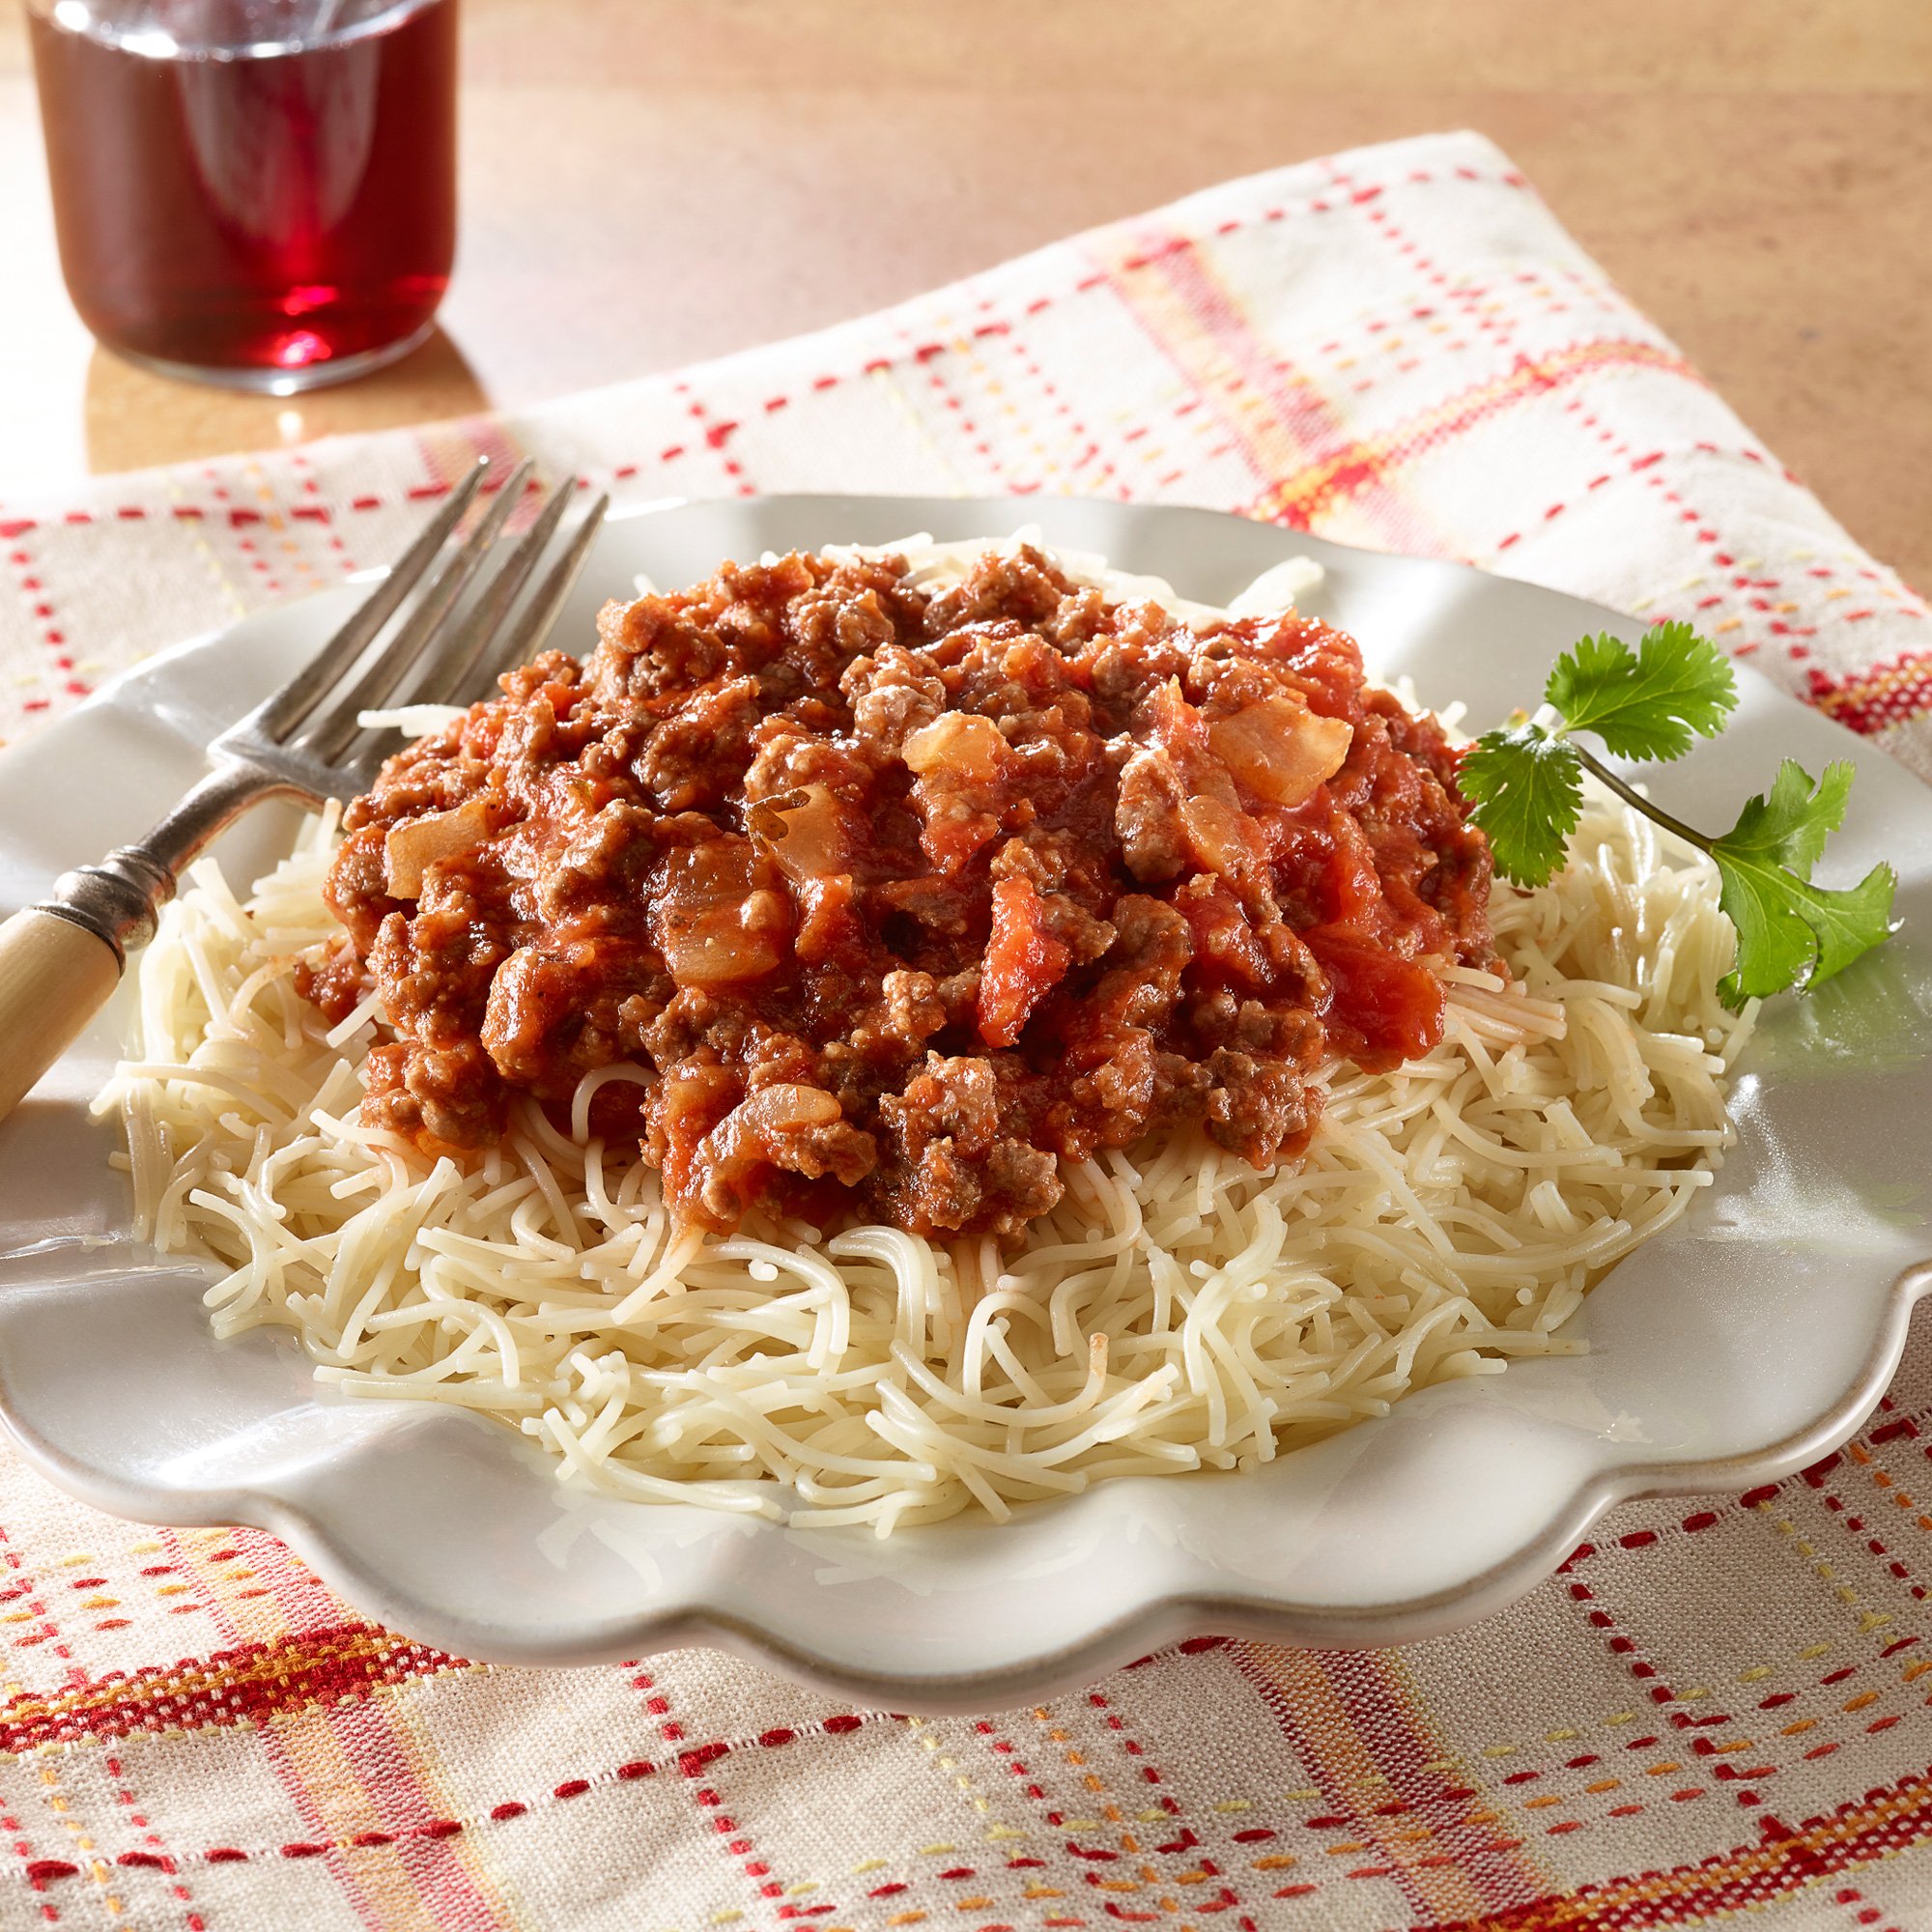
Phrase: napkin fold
pixel 1706 1711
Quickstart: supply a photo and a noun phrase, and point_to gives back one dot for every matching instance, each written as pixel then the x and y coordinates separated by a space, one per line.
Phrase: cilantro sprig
pixel 1524 782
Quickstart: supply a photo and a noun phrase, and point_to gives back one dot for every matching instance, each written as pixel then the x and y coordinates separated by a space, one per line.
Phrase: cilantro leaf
pixel 1791 932
pixel 1525 789
pixel 1788 825
pixel 1645 703
pixel 1523 783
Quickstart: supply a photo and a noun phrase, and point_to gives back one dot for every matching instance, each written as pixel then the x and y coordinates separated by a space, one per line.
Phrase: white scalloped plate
pixel 1729 1351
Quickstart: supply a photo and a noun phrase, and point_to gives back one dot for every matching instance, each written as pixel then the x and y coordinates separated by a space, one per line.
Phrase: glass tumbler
pixel 258 193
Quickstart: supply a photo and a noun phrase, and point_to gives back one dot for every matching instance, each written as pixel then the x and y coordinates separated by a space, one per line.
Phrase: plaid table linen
pixel 1708 1711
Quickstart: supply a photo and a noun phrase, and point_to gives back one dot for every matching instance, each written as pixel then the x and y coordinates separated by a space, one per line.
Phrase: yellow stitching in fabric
pixel 1563 1736
pixel 96 1866
pixel 926 1743
pixel 1147 452
pixel 199 543
pixel 902 403
pixel 997 390
pixel 281 525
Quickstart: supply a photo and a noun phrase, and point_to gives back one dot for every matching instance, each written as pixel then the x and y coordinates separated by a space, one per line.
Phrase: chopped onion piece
pixel 959 742
pixel 801 829
pixel 718 920
pixel 1279 749
pixel 413 846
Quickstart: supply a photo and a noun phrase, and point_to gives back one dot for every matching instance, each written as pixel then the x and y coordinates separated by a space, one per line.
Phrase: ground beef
pixel 901 899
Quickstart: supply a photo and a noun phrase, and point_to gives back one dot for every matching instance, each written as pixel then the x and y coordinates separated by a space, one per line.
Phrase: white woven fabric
pixel 1711 1711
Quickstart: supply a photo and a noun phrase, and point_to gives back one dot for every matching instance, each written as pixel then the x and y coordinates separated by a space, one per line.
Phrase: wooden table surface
pixel 649 182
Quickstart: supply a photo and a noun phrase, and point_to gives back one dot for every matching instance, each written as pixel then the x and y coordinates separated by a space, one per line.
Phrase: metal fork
pixel 60 960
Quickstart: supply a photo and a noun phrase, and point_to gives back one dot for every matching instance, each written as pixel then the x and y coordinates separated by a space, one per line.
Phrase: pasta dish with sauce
pixel 895 1032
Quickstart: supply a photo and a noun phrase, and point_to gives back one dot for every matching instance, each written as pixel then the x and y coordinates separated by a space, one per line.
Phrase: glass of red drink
pixel 260 193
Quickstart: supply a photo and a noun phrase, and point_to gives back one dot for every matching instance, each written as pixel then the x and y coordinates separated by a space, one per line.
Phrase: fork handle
pixel 55 976
pixel 60 959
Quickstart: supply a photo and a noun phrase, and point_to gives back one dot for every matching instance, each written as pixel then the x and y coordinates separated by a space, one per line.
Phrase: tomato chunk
pixel 1386 1008
pixel 1227 949
pixel 1024 962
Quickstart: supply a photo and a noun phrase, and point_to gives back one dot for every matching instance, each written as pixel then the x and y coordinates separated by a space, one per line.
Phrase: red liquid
pixel 273 212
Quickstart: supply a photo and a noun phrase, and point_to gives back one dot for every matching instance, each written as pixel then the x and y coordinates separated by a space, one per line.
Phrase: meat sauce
pixel 895 899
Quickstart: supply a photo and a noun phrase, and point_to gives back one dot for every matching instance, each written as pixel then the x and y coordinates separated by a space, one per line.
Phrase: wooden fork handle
pixel 60 959
pixel 55 977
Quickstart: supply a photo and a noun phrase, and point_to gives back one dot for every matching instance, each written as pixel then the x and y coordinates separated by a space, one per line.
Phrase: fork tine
pixel 290 706
pixel 463 668
pixel 523 638
pixel 446 672
pixel 327 738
